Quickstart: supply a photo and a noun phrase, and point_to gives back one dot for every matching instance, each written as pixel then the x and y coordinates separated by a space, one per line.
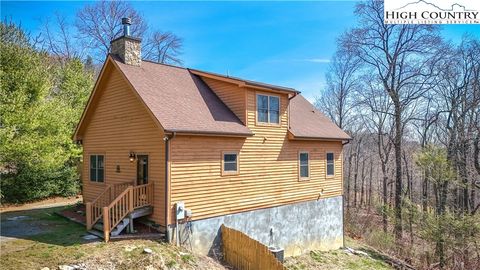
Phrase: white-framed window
pixel 330 164
pixel 303 165
pixel 268 109
pixel 97 168
pixel 229 163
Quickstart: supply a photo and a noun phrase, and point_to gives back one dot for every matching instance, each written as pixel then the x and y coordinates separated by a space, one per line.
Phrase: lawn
pixel 340 259
pixel 38 238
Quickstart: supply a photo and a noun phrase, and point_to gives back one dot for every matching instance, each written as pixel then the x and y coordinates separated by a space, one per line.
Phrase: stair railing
pixel 132 198
pixel 142 195
pixel 117 210
pixel 94 209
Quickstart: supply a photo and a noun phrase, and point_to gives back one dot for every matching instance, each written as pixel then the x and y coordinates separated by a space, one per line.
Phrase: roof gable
pixel 102 80
pixel 177 100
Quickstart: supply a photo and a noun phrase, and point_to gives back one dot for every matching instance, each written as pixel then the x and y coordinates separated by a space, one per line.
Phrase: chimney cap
pixel 126 21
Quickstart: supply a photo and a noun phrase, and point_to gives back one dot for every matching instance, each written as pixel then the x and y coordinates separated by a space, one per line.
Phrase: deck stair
pixel 116 207
pixel 124 223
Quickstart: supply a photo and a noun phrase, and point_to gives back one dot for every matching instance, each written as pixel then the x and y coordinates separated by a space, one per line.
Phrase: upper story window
pixel 230 163
pixel 97 171
pixel 330 164
pixel 268 109
pixel 304 165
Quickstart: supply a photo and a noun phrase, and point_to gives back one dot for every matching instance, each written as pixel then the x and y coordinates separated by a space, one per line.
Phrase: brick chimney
pixel 128 48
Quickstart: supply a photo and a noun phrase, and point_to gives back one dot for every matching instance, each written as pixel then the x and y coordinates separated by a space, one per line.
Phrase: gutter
pixel 167 154
pixel 322 138
pixel 347 141
pixel 208 133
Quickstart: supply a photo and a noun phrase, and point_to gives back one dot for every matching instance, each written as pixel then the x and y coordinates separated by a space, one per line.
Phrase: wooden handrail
pixel 94 209
pixel 142 195
pixel 117 210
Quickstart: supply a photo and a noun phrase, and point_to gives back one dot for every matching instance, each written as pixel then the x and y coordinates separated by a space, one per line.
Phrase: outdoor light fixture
pixel 132 156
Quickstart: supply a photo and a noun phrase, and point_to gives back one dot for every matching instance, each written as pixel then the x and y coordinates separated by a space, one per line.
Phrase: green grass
pixel 59 241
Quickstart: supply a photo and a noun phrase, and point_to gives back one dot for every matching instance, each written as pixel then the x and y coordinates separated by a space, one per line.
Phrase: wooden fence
pixel 245 253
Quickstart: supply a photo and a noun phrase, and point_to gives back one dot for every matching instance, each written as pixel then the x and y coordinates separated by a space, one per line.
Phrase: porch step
pixel 137 213
pixel 141 212
pixel 96 233
pixel 117 230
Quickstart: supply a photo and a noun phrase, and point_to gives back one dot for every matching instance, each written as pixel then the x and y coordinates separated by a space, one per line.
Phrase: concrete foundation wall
pixel 297 228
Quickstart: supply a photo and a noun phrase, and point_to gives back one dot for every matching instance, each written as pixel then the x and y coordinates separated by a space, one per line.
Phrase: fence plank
pixel 245 253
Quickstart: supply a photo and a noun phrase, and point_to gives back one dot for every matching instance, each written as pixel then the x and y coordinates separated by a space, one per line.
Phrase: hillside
pixel 39 239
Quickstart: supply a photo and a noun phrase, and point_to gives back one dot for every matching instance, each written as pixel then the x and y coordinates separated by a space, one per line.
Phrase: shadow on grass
pixel 42 225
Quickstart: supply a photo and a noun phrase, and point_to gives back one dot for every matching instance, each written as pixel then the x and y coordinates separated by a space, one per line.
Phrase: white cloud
pixel 317 60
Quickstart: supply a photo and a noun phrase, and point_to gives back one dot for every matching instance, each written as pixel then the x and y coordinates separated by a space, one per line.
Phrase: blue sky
pixel 284 43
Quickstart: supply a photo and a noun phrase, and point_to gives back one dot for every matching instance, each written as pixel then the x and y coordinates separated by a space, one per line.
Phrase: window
pixel 230 163
pixel 97 171
pixel 330 164
pixel 304 170
pixel 268 109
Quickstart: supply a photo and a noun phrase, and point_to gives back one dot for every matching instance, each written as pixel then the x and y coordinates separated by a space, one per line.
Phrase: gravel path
pixel 16 221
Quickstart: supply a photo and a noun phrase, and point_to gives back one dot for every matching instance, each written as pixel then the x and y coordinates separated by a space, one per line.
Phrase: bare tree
pixel 163 47
pixel 99 23
pixel 376 106
pixel 336 100
pixel 57 38
pixel 396 53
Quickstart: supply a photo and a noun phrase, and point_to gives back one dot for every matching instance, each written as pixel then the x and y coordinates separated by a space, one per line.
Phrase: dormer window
pixel 268 109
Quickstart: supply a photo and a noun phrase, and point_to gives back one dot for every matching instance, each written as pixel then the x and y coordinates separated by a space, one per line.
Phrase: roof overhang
pixel 244 83
pixel 208 133
pixel 291 136
pixel 81 123
pixel 109 64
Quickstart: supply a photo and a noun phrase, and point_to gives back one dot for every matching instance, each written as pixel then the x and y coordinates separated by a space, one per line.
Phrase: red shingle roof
pixel 181 101
pixel 308 122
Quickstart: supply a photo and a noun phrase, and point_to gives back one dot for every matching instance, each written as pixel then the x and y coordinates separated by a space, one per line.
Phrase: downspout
pixel 343 201
pixel 167 154
pixel 288 117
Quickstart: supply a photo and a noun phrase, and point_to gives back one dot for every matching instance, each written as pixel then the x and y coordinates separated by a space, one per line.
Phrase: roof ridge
pixel 163 64
pixel 225 76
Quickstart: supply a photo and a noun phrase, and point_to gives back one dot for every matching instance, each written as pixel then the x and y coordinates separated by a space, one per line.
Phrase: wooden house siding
pixel 232 95
pixel 120 123
pixel 268 168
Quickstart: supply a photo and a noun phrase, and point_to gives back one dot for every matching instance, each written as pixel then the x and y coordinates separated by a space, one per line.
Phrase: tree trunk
pixel 398 172
pixel 425 192
pixel 362 188
pixel 409 194
pixel 370 186
pixel 385 201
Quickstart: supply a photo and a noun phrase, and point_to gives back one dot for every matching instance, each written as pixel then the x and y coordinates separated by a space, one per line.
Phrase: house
pixel 192 150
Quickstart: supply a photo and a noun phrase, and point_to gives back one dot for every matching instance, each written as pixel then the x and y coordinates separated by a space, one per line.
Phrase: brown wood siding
pixel 268 164
pixel 232 95
pixel 120 124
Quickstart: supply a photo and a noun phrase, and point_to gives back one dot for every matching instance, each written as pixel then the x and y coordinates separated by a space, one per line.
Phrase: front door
pixel 142 169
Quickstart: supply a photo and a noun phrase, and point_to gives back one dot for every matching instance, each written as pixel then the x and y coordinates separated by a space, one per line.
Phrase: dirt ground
pixel 51 202
pixel 35 237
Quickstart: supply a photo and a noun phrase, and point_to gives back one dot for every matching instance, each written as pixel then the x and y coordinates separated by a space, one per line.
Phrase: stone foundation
pixel 297 228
